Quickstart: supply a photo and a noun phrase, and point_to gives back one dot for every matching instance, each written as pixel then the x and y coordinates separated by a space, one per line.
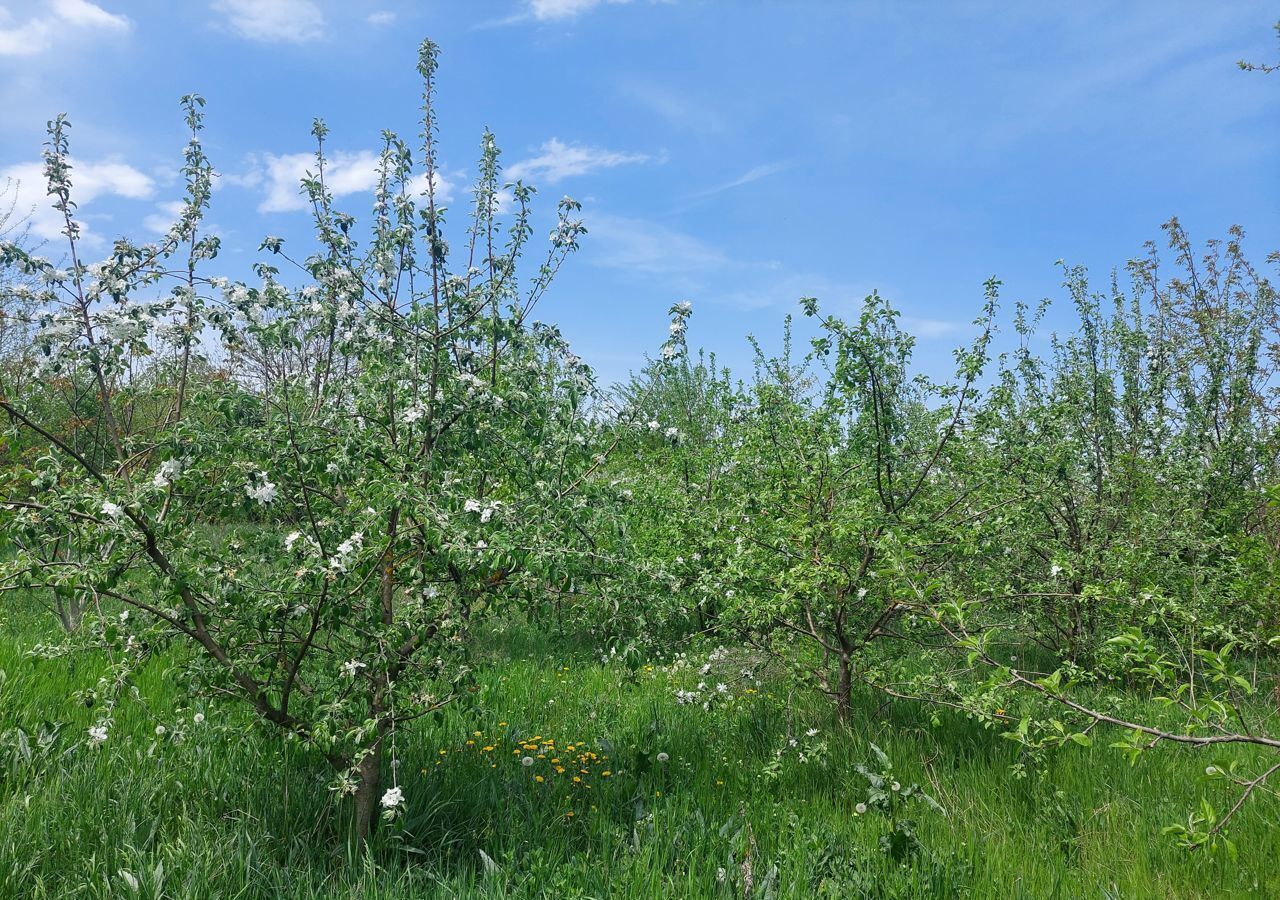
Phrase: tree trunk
pixel 368 784
pixel 844 687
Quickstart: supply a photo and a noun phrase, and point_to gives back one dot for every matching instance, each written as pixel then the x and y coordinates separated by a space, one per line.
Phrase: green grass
pixel 234 811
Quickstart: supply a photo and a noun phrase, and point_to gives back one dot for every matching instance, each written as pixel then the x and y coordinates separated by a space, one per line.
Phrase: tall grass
pixel 232 811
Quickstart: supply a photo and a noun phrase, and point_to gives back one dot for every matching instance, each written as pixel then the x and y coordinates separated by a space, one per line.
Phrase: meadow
pixel 224 809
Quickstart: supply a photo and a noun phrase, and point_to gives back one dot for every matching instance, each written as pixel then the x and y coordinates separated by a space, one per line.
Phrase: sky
pixel 739 155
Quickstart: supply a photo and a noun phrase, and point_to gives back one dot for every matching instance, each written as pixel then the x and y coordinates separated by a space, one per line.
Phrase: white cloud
pixel 381 17
pixel 559 161
pixel 344 174
pixel 555 11
pixel 89 181
pixel 561 9
pixel 89 15
pixel 929 328
pixel 753 174
pixel 638 245
pixel 271 21
pixel 38 33
pixel 166 214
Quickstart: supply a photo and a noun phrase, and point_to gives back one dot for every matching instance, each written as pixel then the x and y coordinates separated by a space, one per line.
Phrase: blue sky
pixel 735 154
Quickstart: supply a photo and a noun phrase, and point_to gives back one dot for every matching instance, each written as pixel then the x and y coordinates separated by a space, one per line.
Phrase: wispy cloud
pixel 753 174
pixel 556 11
pixel 90 180
pixel 563 9
pixel 280 178
pixel 273 21
pixel 558 161
pixel 679 265
pixel 927 329
pixel 638 245
pixel 381 17
pixel 679 107
pixel 37 34
pixel 165 215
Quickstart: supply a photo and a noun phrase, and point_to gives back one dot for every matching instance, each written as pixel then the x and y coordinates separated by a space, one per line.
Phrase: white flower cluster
pixel 168 472
pixel 347 550
pixel 486 509
pixel 264 491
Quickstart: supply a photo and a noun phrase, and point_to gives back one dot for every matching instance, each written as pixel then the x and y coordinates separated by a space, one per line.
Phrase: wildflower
pixel 393 798
pixel 662 757
pixel 291 538
pixel 526 761
pixel 112 509
pixel 895 787
pixel 1055 571
pixel 1210 770
pixel 812 732
pixel 98 734
pixel 539 779
pixel 672 432
pixel 198 718
pixel 352 667
pixel 860 808
pixel 160 730
pixel 722 688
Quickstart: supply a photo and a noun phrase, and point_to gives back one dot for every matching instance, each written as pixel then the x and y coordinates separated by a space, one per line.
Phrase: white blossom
pixel 167 473
pixel 264 493
pixel 393 799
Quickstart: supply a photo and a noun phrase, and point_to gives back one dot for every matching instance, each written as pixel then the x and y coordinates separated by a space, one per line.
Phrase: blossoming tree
pixel 343 464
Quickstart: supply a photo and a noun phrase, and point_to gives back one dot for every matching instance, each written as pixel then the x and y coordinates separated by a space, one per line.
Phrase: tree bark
pixel 368 783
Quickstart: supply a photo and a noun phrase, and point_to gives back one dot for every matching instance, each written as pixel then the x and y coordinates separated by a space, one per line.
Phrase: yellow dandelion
pixel 605 774
pixel 539 779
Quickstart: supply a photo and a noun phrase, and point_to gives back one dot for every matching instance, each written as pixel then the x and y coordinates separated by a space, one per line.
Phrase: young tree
pixel 407 449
